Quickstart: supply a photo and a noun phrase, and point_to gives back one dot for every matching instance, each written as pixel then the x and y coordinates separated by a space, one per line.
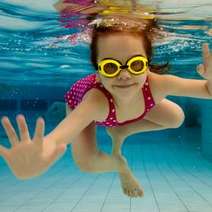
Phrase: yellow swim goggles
pixel 110 67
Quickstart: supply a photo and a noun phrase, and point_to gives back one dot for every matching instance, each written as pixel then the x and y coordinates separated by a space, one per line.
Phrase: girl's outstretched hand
pixel 28 157
pixel 205 69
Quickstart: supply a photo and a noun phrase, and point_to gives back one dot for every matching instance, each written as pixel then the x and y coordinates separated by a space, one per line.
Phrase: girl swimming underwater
pixel 124 95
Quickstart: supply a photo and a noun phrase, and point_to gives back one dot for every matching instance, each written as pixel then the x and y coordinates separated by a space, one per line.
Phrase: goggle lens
pixel 137 65
pixel 110 68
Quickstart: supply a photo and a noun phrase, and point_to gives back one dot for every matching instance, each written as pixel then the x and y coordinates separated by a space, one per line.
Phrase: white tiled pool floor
pixel 174 175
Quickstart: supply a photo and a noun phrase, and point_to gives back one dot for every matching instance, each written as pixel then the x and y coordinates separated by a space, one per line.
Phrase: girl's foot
pixel 129 183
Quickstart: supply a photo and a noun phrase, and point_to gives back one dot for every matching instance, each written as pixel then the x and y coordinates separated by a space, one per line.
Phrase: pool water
pixel 38 65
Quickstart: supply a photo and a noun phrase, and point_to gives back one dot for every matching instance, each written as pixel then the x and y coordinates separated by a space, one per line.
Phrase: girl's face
pixel 121 46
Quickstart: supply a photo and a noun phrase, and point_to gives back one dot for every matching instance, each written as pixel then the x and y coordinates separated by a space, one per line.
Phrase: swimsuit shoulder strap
pixel 149 101
pixel 109 97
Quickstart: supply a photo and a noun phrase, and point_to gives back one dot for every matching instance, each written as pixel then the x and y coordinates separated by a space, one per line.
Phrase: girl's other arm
pixel 173 85
pixel 177 86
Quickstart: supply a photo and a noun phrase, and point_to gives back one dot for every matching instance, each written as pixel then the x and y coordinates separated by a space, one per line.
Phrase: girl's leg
pixel 129 183
pixel 89 158
pixel 165 115
pixel 86 154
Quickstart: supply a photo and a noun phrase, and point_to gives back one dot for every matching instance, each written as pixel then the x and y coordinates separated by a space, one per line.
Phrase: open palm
pixel 28 157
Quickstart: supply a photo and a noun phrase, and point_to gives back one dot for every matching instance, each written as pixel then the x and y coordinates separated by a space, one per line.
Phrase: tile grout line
pixel 150 183
pixel 168 182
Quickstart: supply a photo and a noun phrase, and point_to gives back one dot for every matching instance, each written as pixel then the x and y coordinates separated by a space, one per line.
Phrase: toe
pixel 129 192
pixel 136 193
pixel 126 191
pixel 132 193
pixel 140 193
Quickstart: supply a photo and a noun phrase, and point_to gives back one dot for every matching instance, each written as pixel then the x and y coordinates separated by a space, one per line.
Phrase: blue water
pixel 174 166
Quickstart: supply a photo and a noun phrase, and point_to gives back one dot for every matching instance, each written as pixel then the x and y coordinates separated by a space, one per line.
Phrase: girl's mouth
pixel 125 86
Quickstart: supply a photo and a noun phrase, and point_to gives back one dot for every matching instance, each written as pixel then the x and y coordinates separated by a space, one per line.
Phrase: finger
pixel 23 129
pixel 39 130
pixel 206 52
pixel 13 138
pixel 3 151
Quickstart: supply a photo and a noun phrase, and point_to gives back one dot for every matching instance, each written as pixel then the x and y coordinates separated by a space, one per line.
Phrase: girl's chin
pixel 126 93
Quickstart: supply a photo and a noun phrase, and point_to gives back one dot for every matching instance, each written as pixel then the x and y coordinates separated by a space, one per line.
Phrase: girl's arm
pixel 173 85
pixel 29 157
pixel 176 86
pixel 92 108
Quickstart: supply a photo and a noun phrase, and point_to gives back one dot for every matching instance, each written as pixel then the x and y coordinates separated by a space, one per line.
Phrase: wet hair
pixel 147 34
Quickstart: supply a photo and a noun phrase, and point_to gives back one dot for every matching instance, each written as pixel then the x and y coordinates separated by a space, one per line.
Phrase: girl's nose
pixel 124 74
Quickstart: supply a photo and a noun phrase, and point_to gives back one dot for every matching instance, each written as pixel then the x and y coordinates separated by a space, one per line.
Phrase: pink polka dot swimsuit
pixel 74 96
